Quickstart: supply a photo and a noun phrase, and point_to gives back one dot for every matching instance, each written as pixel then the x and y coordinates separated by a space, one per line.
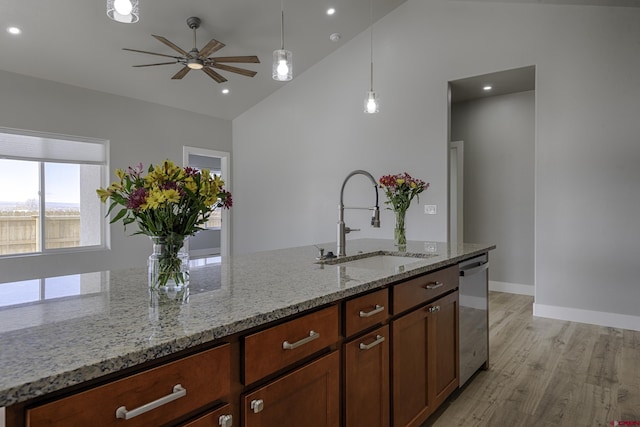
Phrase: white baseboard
pixel 600 318
pixel 511 288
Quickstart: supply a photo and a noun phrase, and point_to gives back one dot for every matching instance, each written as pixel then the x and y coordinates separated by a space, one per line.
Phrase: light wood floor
pixel 548 372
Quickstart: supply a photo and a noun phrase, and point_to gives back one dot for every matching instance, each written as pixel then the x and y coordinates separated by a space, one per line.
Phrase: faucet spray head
pixel 375 218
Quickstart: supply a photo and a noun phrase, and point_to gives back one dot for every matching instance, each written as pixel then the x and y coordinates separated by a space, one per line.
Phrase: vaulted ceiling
pixel 73 42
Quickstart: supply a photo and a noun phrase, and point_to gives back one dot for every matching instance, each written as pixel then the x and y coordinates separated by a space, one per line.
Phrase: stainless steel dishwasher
pixel 474 316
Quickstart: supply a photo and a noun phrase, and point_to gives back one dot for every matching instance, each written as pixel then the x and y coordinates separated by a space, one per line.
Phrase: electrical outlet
pixel 430 209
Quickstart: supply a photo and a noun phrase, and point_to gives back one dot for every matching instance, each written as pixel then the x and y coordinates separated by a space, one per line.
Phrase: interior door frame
pixel 225 162
pixel 456 192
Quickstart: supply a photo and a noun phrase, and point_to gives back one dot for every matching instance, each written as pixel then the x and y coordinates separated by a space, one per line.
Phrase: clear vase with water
pixel 169 263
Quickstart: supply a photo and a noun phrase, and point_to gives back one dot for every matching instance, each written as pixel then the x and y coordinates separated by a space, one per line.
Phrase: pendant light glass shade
pixel 282 68
pixel 371 103
pixel 125 11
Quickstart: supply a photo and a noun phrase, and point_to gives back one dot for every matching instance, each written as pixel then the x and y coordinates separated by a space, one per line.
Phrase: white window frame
pixel 46 147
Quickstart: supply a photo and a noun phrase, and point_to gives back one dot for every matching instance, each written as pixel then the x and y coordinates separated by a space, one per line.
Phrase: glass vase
pixel 399 237
pixel 169 263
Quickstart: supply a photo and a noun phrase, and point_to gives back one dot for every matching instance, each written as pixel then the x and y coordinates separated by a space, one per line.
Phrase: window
pixel 47 192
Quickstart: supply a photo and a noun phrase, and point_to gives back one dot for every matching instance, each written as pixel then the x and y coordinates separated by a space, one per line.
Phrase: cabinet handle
pixel 434 309
pixel 379 340
pixel 177 393
pixel 435 285
pixel 225 421
pixel 312 336
pixel 376 310
pixel 257 405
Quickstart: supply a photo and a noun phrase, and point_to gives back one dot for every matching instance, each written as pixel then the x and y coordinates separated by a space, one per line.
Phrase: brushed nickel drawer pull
pixel 376 310
pixel 177 393
pixel 257 405
pixel 434 309
pixel 435 285
pixel 312 336
pixel 225 420
pixel 379 340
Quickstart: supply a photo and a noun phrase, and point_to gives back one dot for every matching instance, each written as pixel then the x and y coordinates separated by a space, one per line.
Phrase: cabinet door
pixel 367 380
pixel 444 347
pixel 411 398
pixel 308 396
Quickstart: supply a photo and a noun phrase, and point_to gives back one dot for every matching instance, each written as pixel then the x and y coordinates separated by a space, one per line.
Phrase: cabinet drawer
pixel 365 311
pixel 205 377
pixel 424 288
pixel 306 397
pixel 220 417
pixel 267 351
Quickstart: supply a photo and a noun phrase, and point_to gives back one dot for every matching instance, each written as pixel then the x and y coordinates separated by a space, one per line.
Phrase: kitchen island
pixel 52 347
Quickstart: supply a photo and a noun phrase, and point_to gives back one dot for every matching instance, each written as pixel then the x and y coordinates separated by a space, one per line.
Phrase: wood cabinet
pixel 425 360
pixel 277 347
pixel 308 396
pixel 153 397
pixel 366 377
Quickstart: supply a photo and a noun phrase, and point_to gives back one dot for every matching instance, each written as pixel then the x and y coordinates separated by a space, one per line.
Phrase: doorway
pixel 214 240
pixel 494 114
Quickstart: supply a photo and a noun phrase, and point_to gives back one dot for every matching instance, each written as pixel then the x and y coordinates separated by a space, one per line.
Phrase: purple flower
pixel 137 198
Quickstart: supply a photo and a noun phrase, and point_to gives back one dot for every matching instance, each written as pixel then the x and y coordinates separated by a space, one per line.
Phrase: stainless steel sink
pixel 377 260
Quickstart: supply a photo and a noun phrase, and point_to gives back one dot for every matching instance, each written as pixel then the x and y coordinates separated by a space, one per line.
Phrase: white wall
pixel 292 150
pixel 138 132
pixel 499 135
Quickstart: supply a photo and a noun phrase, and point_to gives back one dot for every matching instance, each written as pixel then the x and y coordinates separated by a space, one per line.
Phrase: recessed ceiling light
pixel 225 91
pixel 331 11
pixel 14 30
pixel 487 88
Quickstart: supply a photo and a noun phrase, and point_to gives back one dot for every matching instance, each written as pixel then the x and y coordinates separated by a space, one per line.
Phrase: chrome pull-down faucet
pixel 342 228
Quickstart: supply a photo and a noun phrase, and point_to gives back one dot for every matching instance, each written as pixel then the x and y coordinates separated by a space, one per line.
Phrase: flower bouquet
pixel 400 190
pixel 168 204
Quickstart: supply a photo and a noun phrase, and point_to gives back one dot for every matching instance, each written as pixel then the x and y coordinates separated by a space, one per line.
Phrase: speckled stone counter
pixel 114 324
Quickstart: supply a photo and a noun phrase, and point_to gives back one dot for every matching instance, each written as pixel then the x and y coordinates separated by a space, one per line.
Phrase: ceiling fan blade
pixel 180 74
pixel 238 59
pixel 237 70
pixel 152 65
pixel 171 45
pixel 215 76
pixel 211 47
pixel 150 53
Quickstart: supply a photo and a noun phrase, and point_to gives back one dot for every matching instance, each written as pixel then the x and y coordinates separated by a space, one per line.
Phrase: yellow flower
pixel 413 185
pixel 120 173
pixel 399 181
pixel 190 184
pixel 104 194
pixel 155 198
pixel 171 196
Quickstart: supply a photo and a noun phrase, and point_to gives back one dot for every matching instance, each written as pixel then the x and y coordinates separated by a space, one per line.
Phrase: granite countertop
pixel 112 323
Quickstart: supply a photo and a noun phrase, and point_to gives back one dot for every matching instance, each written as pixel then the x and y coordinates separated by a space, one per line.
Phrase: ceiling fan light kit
pixel 282 68
pixel 200 59
pixel 125 11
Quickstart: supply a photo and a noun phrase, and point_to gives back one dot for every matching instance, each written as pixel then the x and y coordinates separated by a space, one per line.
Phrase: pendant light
pixel 371 101
pixel 125 11
pixel 282 69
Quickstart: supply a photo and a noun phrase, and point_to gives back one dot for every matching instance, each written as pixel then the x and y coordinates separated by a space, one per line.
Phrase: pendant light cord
pixel 371 31
pixel 282 24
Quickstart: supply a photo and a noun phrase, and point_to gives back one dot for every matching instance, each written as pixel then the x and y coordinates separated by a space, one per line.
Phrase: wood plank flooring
pixel 546 372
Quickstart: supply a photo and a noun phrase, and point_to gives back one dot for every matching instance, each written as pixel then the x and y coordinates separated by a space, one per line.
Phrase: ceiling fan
pixel 200 59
